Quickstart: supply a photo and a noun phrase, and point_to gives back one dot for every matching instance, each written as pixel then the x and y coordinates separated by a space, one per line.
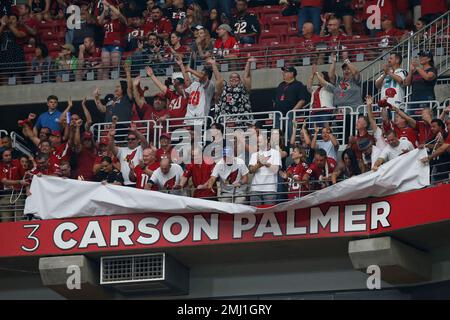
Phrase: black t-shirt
pixel 175 15
pixel 120 108
pixel 246 24
pixel 289 94
pixel 113 176
pixel 422 88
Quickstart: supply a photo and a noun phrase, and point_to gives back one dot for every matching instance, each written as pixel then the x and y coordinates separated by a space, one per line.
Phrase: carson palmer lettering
pixel 205 227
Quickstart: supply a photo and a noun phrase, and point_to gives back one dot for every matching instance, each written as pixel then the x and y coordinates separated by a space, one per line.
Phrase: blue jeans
pixel 309 14
pixel 247 40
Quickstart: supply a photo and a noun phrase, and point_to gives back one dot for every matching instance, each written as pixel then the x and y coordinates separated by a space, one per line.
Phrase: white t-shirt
pixel 169 180
pixel 329 148
pixel 389 82
pixel 200 97
pixel 265 179
pixel 230 174
pixel 390 153
pixel 124 155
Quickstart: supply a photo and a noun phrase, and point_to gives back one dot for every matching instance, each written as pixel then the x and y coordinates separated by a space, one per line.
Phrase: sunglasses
pixel 131 139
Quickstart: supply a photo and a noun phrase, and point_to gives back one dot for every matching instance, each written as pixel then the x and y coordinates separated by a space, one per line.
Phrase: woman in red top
pixel 115 26
pixel 175 48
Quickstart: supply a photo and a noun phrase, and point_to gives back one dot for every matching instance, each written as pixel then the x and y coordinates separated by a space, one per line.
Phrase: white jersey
pixel 390 153
pixel 200 98
pixel 230 174
pixel 125 155
pixel 265 179
pixel 169 180
pixel 389 82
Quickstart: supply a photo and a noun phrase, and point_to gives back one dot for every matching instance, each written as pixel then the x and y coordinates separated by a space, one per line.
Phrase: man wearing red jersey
pixel 102 151
pixel 89 58
pixel 178 98
pixel 295 173
pixel 135 31
pixel 158 24
pixel 389 34
pixel 399 125
pixel 226 46
pixel 11 174
pixel 144 170
pixel 115 26
pixel 60 151
pixel 422 127
pixel 165 149
pixel 157 112
pixel 309 40
pixel 86 155
pixel 200 174
pixel 320 170
pixel 334 35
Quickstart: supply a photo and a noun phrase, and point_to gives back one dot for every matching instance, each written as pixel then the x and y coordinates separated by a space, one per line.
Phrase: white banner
pixel 57 198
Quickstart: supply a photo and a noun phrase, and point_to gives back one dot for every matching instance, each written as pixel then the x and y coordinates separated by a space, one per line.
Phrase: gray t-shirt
pixel 120 108
pixel 347 93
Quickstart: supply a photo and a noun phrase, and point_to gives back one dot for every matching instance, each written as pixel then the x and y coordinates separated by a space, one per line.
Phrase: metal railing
pixel 434 37
pixel 148 128
pixel 339 120
pixel 19 143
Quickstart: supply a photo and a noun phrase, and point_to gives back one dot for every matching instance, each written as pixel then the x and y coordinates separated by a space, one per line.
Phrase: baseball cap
pixel 364 144
pixel 290 69
pixel 426 54
pixel 104 140
pixel 56 133
pixel 109 97
pixel 87 135
pixel 198 27
pixel 68 46
pixel 165 136
pixel 225 27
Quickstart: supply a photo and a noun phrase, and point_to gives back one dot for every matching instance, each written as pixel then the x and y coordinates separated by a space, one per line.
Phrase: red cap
pixel 87 135
pixel 104 140
pixel 56 133
pixel 383 104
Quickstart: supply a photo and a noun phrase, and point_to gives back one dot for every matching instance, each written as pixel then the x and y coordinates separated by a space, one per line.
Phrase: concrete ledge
pixel 399 263
pixel 55 274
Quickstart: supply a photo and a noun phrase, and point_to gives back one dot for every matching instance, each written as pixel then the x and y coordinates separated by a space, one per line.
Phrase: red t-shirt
pixel 392 33
pixel 114 33
pixel 85 163
pixel 433 6
pixel 161 153
pixel 406 132
pixel 310 43
pixel 50 171
pixel 60 153
pixel 225 48
pixel 200 174
pixel 142 178
pixel 158 27
pixel 447 141
pixel 312 3
pixel 296 173
pixel 424 131
pixel 94 57
pixel 150 113
pixel 177 106
pixel 315 172
pixel 11 171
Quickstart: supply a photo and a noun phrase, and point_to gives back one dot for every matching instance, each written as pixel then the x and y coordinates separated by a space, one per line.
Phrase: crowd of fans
pixel 268 169
pixel 156 32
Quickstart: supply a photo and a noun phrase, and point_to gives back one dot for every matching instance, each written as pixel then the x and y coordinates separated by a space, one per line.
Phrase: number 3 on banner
pixel 32 237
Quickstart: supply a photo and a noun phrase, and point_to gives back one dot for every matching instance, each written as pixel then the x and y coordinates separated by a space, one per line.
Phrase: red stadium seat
pixel 45 26
pixel 279 25
pixel 268 37
pixel 29 49
pixel 53 46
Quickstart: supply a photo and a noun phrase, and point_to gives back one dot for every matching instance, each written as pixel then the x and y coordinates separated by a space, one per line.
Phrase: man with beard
pixel 320 171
